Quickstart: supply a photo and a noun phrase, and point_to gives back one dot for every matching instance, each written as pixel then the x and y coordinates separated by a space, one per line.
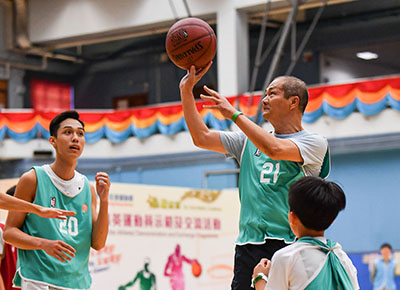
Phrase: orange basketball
pixel 196 268
pixel 191 41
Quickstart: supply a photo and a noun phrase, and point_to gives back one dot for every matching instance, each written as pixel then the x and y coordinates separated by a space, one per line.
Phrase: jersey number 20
pixel 69 226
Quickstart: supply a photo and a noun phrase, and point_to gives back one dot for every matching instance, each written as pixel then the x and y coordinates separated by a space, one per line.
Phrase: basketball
pixel 196 268
pixel 191 41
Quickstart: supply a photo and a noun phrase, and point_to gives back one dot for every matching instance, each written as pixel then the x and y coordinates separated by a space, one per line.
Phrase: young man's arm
pixel 26 190
pixel 12 203
pixel 100 219
pixel 202 137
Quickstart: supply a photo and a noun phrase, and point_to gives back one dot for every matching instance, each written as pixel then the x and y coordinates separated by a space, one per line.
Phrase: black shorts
pixel 247 257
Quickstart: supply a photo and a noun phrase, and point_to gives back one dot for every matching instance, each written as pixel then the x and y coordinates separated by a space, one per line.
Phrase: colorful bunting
pixel 337 101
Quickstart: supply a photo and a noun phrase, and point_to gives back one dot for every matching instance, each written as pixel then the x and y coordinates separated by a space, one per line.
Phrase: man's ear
pixel 52 141
pixel 291 216
pixel 294 102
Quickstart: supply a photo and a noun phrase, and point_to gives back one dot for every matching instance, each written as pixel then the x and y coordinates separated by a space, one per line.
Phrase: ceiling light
pixel 367 55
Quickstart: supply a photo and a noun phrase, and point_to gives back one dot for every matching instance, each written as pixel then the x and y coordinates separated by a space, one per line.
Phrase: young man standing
pixel 54 254
pixel 269 163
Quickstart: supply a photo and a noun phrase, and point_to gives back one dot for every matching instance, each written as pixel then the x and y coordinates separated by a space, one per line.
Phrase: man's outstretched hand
pixel 47 212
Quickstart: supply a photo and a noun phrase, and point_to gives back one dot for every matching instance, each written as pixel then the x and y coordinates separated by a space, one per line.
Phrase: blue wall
pixel 371 182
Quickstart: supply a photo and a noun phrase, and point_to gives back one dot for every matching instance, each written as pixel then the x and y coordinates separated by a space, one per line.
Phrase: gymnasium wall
pixel 370 181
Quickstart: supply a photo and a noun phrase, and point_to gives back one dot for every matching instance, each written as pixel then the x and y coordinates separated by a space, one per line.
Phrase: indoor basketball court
pixel 157 84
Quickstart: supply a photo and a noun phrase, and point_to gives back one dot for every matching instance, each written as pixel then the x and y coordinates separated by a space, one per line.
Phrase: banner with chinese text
pixel 157 233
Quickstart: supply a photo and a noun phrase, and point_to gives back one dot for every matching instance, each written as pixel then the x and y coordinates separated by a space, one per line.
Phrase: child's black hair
pixel 316 202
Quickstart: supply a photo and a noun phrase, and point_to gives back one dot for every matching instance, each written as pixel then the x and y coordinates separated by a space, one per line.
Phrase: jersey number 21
pixel 268 168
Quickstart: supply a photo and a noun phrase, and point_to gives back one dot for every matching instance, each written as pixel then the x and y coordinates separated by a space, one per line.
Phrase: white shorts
pixel 32 285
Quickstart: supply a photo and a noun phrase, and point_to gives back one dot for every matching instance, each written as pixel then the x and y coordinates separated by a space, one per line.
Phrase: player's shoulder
pixel 26 186
pixel 287 252
pixel 236 135
pixel 29 174
pixel 310 139
pixel 28 177
pixel 311 135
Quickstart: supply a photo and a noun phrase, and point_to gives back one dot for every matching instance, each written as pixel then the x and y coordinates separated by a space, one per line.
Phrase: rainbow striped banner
pixel 337 101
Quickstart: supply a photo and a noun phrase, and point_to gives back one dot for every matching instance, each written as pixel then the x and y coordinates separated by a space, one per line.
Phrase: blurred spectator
pixel 383 270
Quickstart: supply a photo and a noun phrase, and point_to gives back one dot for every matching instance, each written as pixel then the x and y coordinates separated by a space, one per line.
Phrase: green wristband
pixel 257 278
pixel 236 115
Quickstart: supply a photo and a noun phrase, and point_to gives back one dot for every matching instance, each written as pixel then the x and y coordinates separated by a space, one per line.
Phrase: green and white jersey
pixel 37 265
pixel 264 183
pixel 303 265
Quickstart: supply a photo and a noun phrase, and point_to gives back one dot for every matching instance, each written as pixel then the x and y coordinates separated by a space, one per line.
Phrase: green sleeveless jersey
pixel 76 231
pixel 263 191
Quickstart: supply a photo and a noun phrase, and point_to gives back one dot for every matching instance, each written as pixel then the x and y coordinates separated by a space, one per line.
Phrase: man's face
pixel 386 252
pixel 70 139
pixel 275 105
